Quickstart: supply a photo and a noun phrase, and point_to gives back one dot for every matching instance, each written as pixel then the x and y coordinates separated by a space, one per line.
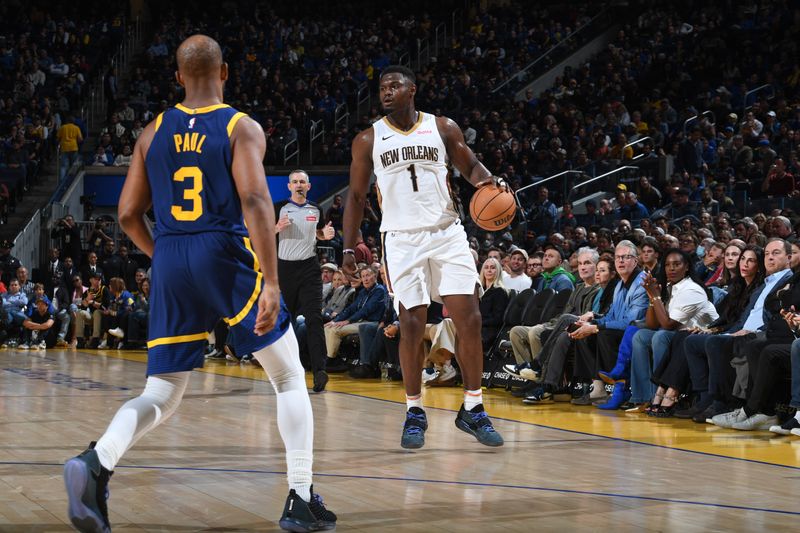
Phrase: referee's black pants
pixel 301 287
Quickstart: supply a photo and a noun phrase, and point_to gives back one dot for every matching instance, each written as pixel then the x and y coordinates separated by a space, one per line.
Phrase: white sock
pixel 413 401
pixel 472 398
pixel 161 396
pixel 298 471
pixel 598 388
pixel 281 361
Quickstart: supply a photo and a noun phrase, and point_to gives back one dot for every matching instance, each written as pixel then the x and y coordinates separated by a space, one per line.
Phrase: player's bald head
pixel 199 56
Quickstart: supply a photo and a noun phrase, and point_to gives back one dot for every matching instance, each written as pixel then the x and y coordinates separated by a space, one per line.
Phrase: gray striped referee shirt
pixel 299 240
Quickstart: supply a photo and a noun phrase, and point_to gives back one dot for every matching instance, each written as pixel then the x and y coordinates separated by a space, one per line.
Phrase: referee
pixel 299 224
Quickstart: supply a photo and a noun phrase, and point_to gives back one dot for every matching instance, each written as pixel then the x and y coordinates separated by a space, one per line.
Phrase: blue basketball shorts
pixel 196 281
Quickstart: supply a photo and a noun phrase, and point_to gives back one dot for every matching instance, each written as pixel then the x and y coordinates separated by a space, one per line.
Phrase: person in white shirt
pixel 516 279
pixel 684 304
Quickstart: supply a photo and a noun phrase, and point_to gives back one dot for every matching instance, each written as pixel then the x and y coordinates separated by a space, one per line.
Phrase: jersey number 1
pixel 413 177
pixel 191 194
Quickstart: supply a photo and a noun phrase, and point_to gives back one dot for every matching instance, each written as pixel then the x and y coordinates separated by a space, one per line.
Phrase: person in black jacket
pixel 69 238
pixel 493 302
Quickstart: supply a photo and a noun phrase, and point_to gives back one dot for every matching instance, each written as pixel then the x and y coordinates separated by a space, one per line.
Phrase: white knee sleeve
pixel 161 396
pixel 281 361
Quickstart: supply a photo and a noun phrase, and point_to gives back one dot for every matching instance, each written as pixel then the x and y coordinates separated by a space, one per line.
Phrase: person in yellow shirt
pixel 69 137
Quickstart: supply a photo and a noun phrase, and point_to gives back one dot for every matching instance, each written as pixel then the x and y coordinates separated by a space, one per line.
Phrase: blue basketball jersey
pixel 189 169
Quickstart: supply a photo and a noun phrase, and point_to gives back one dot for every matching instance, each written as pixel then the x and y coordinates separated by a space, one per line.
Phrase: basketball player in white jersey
pixel 426 251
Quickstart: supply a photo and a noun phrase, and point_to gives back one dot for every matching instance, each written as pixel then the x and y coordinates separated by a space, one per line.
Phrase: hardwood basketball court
pixel 218 464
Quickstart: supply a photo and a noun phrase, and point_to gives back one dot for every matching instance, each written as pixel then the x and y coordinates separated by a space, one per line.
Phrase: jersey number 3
pixel 191 194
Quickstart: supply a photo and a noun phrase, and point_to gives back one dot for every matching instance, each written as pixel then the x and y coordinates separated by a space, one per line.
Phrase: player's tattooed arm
pixel 462 156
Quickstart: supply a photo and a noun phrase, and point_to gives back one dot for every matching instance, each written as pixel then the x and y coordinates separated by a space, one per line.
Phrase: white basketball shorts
pixel 427 264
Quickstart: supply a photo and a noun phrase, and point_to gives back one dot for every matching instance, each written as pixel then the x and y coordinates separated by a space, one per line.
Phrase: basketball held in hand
pixel 492 208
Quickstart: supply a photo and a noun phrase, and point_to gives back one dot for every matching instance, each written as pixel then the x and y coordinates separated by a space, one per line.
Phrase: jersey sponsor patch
pixel 311 218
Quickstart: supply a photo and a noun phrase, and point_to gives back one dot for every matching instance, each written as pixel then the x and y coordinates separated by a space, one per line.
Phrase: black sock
pixel 749 412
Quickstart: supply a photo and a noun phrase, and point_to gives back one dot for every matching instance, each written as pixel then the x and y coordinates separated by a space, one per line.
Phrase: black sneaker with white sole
pixel 515 369
pixel 787 427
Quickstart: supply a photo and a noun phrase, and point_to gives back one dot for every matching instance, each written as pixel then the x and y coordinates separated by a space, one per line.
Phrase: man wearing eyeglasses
pixel 629 305
pixel 534 268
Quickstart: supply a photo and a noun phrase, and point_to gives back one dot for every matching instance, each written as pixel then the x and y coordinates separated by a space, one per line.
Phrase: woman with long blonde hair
pixel 493 302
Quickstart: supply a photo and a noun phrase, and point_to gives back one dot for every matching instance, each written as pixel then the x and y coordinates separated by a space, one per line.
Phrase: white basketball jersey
pixel 411 168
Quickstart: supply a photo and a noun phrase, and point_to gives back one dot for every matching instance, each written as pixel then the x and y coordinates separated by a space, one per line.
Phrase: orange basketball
pixel 491 208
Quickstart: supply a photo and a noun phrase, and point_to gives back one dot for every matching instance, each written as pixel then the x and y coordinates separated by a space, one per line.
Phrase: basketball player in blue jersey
pixel 426 252
pixel 199 165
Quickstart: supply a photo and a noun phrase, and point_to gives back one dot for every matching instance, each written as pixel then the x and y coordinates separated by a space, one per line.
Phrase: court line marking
pixel 534 424
pixel 584 433
pixel 438 482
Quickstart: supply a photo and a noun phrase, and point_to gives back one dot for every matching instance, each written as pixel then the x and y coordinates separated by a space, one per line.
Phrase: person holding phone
pixel 553 355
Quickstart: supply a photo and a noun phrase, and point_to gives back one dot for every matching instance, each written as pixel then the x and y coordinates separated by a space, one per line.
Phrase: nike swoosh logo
pixel 388 136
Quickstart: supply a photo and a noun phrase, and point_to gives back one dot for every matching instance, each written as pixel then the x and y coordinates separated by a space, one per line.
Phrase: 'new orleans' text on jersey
pixel 412 176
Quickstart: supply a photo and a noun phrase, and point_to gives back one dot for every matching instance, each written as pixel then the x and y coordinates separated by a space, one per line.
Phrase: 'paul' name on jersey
pixel 409 153
pixel 189 142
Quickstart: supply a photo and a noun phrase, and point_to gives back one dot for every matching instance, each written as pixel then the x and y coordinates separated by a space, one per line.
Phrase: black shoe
pixel 478 424
pixel 320 380
pixel 414 429
pixel 93 343
pixel 80 344
pixel 364 372
pixel 86 482
pixel 394 374
pixel 579 390
pixel 301 516
pixel 710 413
pixel 693 411
pixel 215 354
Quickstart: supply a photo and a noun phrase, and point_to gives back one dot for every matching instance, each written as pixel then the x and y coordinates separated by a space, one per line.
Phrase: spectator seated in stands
pixel 95 300
pixel 368 306
pixel 62 304
pixel 493 302
pixel 120 304
pixel 527 341
pixel 339 297
pixel 136 323
pixel 709 357
pixel 38 327
pixel 678 301
pixel 629 305
pixel 14 303
pixel 60 315
pixel 554 275
pixel 515 278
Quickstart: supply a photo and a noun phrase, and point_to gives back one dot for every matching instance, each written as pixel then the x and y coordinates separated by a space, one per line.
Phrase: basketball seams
pixel 500 212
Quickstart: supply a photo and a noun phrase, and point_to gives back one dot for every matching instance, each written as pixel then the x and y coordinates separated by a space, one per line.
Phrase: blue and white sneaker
pixel 478 424
pixel 87 489
pixel 414 429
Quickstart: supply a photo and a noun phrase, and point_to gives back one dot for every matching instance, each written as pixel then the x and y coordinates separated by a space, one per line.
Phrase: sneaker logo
pixel 291 505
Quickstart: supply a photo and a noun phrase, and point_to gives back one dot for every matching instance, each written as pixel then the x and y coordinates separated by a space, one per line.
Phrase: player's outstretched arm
pixel 248 145
pixel 360 172
pixel 136 197
pixel 462 157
